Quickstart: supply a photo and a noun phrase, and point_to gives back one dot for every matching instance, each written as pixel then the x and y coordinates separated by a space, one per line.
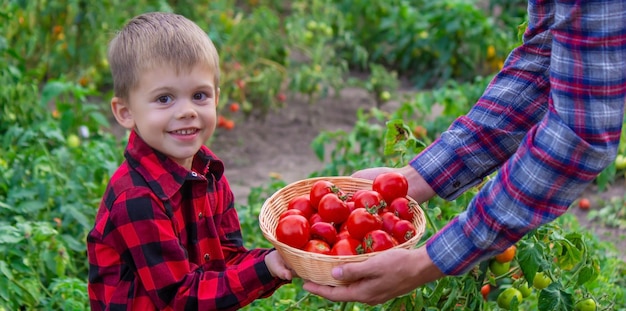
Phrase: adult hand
pixel 419 190
pixel 382 277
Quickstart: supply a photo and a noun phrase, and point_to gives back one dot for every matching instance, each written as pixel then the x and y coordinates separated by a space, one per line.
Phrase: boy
pixel 167 235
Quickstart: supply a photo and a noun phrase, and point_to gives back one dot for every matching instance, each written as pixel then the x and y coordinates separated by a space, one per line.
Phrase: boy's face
pixel 174 113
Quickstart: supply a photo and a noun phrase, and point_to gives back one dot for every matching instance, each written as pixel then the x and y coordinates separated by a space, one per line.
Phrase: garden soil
pixel 280 145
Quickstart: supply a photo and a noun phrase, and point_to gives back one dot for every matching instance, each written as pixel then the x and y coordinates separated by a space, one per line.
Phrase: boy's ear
pixel 122 113
pixel 217 96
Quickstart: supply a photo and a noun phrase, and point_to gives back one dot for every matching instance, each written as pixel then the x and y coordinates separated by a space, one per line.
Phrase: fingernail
pixel 337 273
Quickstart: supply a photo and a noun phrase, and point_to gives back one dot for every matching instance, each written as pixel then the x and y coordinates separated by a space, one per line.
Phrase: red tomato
pixel 584 203
pixel 343 235
pixel 319 189
pixel 389 220
pixel 402 208
pixel 333 209
pixel 347 246
pixel 315 218
pixel 290 212
pixel 368 199
pixel 317 246
pixel 403 231
pixel 485 290
pixel 361 221
pixel 302 203
pixel 293 230
pixel 377 240
pixel 324 231
pixel 351 206
pixel 391 185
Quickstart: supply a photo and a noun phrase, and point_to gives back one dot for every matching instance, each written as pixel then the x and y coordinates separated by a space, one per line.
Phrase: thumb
pixel 351 272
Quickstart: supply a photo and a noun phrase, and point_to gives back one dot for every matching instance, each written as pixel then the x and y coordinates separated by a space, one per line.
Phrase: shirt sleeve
pixel 550 121
pixel 236 254
pixel 142 232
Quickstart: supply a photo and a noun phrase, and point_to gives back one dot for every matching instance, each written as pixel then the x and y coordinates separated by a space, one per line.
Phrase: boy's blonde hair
pixel 158 39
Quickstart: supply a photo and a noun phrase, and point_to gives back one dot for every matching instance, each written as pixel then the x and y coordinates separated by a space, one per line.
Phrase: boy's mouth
pixel 185 131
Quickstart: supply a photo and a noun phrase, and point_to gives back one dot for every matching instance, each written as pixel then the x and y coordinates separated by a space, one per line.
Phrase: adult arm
pixel 575 139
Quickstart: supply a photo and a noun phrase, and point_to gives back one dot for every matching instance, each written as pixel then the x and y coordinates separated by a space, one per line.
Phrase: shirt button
pixel 200 215
pixel 206 257
pixel 194 174
pixel 456 184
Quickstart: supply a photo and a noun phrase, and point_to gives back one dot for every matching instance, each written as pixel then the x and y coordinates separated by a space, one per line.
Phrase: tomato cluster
pixel 330 221
pixel 509 282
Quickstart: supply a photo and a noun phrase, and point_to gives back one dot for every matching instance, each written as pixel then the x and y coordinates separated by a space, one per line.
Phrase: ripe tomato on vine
pixel 507 255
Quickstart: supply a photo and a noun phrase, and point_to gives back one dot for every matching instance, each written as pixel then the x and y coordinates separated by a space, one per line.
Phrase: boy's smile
pixel 174 111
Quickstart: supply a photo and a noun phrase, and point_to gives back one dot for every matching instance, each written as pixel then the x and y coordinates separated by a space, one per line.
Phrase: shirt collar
pixel 162 174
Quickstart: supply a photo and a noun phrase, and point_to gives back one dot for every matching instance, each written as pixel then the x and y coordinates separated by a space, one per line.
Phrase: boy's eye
pixel 199 96
pixel 165 99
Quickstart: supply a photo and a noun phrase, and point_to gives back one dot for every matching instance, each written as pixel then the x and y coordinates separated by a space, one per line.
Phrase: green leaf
pixel 397 132
pixel 52 90
pixel 22 193
pixel 43 231
pixel 402 303
pixel 588 272
pixel 5 206
pixel 4 292
pixel 554 298
pixel 419 299
pixel 72 211
pixel 4 268
pixel 435 296
pixel 73 244
pixel 318 146
pixel 569 250
pixel 10 235
pixel 30 206
pixel 529 258
pixel 100 119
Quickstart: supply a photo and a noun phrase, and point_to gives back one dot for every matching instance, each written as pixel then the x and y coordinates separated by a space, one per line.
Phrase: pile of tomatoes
pixel 330 221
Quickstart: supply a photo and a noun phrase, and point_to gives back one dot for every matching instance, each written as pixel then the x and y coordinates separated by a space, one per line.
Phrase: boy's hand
pixel 277 266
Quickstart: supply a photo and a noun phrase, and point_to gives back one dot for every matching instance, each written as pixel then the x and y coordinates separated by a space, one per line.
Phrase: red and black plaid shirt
pixel 167 238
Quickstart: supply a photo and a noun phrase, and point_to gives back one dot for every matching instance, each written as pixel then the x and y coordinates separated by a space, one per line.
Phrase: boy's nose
pixel 187 110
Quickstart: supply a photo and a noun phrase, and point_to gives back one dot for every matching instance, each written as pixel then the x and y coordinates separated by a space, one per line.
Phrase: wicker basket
pixel 312 266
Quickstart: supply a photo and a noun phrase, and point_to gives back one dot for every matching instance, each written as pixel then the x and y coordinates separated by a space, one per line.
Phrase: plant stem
pixel 429 220
pixel 299 301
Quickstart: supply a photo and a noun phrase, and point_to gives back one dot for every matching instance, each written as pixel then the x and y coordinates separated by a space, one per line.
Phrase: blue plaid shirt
pixel 549 122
